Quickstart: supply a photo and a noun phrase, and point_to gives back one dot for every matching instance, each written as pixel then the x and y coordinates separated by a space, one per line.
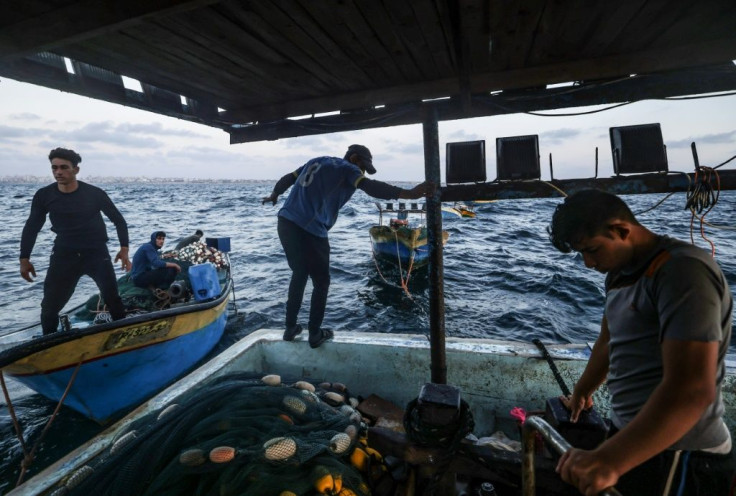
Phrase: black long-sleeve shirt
pixel 75 218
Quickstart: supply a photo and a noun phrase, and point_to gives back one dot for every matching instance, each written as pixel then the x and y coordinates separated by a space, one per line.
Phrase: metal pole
pixel 434 240
pixel 555 440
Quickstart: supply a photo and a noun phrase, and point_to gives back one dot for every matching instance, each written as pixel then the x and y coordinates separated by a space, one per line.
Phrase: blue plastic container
pixel 204 282
pixel 222 244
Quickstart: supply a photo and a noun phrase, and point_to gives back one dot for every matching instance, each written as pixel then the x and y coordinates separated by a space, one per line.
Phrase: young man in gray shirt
pixel 664 337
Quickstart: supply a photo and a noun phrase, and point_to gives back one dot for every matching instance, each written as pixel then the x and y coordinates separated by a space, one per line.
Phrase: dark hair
pixel 199 232
pixel 585 214
pixel 160 234
pixel 66 154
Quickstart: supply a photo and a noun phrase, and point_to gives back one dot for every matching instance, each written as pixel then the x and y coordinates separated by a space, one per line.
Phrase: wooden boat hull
pixel 494 376
pixel 404 245
pixel 117 365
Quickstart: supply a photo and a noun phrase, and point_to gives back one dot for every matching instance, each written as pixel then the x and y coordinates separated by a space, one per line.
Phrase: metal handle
pixel 556 442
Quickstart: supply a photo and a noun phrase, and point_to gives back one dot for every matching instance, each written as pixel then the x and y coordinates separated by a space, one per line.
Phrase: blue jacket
pixel 146 258
pixel 323 185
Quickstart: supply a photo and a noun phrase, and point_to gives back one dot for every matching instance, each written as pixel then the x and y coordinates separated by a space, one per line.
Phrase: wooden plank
pixel 206 67
pixel 714 20
pixel 655 18
pixel 447 25
pixel 152 70
pixel 441 49
pixel 643 62
pixel 91 18
pixel 529 13
pixel 334 23
pixel 700 80
pixel 579 70
pixel 20 70
pixel 503 23
pixel 620 185
pixel 281 33
pixel 322 47
pixel 377 17
pixel 256 61
pixel 562 29
pixel 379 61
pixel 607 25
pixel 475 22
pixel 402 16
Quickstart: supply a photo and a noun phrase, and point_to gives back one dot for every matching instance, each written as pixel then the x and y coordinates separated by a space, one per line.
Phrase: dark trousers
pixel 65 270
pixel 705 474
pixel 308 257
pixel 158 278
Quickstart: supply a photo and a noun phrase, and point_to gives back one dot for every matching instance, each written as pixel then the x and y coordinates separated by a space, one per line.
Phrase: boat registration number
pixel 131 336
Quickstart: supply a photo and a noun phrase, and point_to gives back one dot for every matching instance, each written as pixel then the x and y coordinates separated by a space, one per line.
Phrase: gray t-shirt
pixel 679 293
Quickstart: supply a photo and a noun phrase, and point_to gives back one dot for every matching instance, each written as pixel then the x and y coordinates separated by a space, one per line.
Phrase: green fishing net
pixel 239 436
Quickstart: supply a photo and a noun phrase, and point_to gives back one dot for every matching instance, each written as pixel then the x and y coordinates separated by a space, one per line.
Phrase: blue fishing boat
pixel 401 242
pixel 103 368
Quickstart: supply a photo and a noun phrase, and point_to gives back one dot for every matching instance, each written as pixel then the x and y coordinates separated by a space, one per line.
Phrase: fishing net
pixel 137 300
pixel 239 436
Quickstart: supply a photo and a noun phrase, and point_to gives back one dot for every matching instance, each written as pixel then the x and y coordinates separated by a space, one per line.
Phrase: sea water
pixel 502 277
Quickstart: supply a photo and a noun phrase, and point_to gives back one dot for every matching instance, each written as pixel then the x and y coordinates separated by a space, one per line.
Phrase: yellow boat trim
pixel 114 341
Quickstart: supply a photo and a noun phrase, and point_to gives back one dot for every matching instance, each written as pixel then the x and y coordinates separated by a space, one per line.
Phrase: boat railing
pixel 401 210
pixel 554 439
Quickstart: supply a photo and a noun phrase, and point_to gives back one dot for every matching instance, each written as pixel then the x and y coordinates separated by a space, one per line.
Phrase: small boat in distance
pixel 103 368
pixel 459 209
pixel 401 242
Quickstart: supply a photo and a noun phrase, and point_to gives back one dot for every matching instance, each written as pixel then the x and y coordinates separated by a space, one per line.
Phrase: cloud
pixel 106 132
pixel 462 135
pixel 24 116
pixel 710 139
pixel 558 136
pixel 18 132
pixel 156 128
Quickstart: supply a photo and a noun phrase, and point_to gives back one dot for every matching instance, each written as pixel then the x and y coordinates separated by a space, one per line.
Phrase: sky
pixel 118 141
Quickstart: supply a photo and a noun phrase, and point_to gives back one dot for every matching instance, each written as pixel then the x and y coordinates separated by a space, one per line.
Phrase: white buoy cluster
pixel 198 252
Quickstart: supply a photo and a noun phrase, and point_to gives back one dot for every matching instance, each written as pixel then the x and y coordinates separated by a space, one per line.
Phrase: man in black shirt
pixel 80 247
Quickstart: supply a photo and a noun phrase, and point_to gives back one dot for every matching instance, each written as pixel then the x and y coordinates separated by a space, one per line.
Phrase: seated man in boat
pixel 80 248
pixel 321 187
pixel 664 336
pixel 189 239
pixel 149 269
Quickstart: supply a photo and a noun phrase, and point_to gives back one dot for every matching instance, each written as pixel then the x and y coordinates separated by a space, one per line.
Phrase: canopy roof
pixel 251 66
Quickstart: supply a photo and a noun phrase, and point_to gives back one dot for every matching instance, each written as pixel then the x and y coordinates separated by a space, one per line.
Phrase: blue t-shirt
pixel 323 185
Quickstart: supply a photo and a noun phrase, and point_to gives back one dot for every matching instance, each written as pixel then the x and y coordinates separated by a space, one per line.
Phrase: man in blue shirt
pixel 321 187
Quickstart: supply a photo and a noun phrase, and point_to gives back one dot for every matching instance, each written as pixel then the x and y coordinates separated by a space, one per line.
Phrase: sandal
pixel 326 335
pixel 291 332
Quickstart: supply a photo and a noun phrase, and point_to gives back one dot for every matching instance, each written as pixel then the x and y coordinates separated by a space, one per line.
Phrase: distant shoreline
pixel 130 180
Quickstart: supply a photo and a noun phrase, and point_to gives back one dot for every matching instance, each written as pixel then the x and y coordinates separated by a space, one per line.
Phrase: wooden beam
pixel 695 81
pixel 83 20
pixel 620 185
pixel 646 62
